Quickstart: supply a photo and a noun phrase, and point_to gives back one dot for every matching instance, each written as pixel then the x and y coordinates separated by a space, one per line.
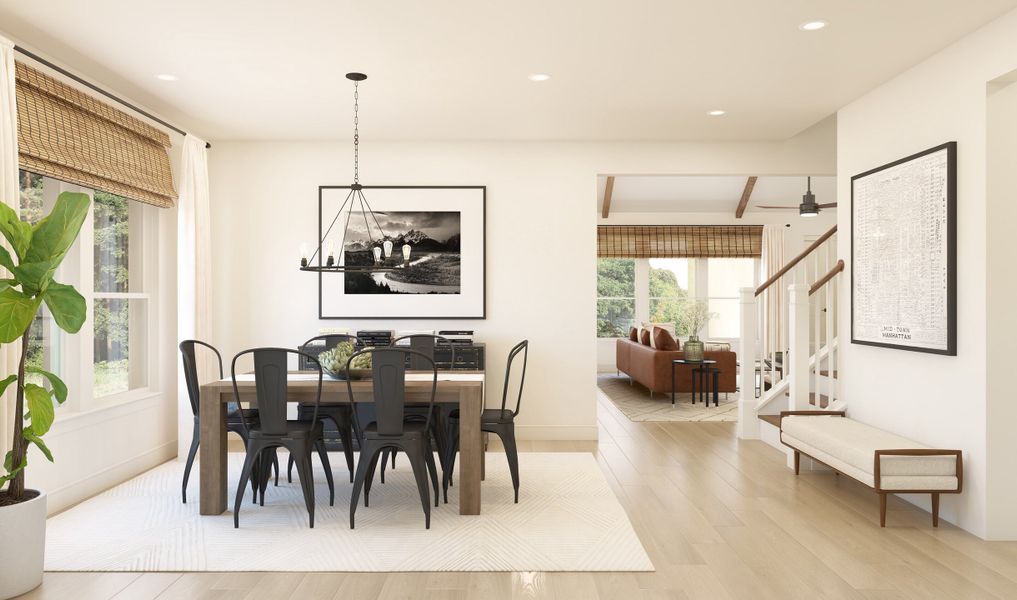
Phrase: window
pixel 670 282
pixel 658 290
pixel 616 296
pixel 109 359
pixel 726 277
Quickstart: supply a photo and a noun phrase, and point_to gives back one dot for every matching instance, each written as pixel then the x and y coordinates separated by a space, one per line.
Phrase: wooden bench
pixel 886 462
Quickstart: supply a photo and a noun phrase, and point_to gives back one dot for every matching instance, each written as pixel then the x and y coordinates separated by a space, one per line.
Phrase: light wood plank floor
pixel 720 519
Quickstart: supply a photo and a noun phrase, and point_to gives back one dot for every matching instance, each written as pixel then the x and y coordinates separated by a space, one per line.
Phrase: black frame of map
pixel 951 249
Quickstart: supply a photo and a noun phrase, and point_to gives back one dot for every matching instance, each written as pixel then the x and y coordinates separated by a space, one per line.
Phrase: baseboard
pixel 72 493
pixel 540 432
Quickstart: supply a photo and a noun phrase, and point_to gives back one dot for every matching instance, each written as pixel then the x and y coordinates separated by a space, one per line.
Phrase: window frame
pixel 76 353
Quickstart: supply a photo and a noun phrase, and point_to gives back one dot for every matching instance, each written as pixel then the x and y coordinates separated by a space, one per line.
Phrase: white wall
pixel 940 401
pixel 541 242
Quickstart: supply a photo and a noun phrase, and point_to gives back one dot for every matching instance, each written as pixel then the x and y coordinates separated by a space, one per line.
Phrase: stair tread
pixel 826 373
pixel 771 419
pixel 824 400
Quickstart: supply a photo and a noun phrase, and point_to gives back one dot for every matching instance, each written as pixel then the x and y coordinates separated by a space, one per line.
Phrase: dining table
pixel 462 388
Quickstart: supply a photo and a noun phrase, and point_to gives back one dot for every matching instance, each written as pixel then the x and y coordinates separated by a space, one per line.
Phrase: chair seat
pixel 412 429
pixel 490 415
pixel 293 429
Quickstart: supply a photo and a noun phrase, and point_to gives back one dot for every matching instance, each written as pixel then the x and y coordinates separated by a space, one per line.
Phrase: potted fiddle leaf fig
pixel 37 253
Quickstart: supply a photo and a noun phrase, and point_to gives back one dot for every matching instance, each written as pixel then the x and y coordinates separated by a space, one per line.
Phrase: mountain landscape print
pixel 435 259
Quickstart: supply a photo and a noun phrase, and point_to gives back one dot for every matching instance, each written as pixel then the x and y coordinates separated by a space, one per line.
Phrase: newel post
pixel 748 423
pixel 798 346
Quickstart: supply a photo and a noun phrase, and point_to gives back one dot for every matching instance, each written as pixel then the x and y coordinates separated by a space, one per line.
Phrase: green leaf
pixel 4 384
pixel 16 313
pixel 29 435
pixel 17 232
pixel 66 304
pixel 39 402
pixel 53 235
pixel 59 387
pixel 6 260
pixel 34 277
pixel 12 472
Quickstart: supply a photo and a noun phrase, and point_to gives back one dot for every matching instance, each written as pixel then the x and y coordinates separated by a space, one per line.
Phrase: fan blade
pixel 828 205
pixel 779 207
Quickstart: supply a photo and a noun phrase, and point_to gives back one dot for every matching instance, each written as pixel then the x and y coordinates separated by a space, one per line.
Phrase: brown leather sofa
pixel 652 368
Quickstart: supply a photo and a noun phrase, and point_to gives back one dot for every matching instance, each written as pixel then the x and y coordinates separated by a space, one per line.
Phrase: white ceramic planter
pixel 22 546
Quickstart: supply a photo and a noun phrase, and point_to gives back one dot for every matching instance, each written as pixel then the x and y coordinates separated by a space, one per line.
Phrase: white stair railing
pixel 789 338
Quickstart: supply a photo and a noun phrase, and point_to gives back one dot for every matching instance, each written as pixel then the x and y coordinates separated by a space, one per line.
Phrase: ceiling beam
pixel 607 196
pixel 744 202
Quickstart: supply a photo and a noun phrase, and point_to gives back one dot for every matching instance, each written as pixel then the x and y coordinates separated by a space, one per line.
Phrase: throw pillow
pixel 633 334
pixel 644 337
pixel 663 340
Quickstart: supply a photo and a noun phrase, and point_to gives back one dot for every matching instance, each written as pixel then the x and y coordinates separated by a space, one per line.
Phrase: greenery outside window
pixel 616 296
pixel 670 282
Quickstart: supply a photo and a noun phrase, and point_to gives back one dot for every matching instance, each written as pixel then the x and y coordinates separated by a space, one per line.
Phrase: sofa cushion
pixel 644 337
pixel 849 446
pixel 662 340
pixel 633 334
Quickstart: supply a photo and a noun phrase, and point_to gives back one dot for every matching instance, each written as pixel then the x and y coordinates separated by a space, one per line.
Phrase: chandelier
pixel 376 255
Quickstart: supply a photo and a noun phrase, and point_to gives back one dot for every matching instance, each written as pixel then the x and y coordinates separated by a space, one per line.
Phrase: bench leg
pixel 935 509
pixel 882 509
pixel 798 461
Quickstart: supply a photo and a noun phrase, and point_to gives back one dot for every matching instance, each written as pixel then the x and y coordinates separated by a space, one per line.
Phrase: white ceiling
pixel 457 69
pixel 709 194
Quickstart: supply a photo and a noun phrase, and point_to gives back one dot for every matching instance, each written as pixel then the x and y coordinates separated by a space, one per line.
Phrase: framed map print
pixel 904 253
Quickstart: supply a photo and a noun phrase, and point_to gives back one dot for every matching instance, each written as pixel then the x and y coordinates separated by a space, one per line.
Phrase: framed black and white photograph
pixel 442 232
pixel 904 253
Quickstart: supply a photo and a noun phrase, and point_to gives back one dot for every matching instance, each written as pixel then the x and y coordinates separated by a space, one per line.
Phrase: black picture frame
pixel 951 250
pixel 483 209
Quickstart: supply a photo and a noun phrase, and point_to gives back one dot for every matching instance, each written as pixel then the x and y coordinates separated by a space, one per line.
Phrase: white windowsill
pixel 116 406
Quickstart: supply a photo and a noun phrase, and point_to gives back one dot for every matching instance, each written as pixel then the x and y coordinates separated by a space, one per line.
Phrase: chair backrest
pixel 522 347
pixel 187 352
pixel 388 376
pixel 425 343
pixel 334 339
pixel 271 383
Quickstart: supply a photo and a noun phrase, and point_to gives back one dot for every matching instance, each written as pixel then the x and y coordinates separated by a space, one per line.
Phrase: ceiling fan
pixel 808 207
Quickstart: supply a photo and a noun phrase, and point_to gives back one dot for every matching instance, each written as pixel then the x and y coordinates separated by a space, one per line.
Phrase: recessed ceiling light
pixel 166 77
pixel 539 77
pixel 812 25
pixel 716 113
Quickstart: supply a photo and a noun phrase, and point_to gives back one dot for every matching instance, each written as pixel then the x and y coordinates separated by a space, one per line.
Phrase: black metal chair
pixel 340 414
pixel 426 344
pixel 233 421
pixel 499 421
pixel 275 431
pixel 390 429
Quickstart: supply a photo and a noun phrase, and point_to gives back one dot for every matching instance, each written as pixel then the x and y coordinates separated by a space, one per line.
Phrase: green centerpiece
pixel 697 315
pixel 333 362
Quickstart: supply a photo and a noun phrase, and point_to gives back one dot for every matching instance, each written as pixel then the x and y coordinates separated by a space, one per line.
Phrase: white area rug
pixel 634 402
pixel 567 519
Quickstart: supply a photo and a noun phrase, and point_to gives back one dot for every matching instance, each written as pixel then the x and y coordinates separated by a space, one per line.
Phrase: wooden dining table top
pixel 308 380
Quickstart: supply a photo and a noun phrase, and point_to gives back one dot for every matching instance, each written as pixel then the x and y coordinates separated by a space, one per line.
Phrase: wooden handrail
pixel 837 268
pixel 783 270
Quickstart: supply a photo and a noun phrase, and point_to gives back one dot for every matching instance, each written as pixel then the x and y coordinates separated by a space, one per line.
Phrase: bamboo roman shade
pixel 679 241
pixel 69 135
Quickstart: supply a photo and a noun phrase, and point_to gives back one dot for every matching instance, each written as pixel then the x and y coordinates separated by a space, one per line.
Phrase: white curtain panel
pixel 773 298
pixel 194 275
pixel 11 195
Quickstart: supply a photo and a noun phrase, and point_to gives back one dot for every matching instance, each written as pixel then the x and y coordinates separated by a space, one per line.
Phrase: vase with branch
pixel 697 315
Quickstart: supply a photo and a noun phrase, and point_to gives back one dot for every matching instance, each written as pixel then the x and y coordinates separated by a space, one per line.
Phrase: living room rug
pixel 567 519
pixel 634 402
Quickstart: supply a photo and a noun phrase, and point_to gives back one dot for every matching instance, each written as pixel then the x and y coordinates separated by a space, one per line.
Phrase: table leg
pixel 672 383
pixel 693 386
pixel 716 386
pixel 471 450
pixel 212 452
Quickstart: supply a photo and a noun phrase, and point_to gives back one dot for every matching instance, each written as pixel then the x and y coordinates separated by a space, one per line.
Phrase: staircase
pixel 790 341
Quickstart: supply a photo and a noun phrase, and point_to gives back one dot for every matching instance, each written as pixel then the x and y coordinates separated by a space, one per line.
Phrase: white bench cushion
pixel 849 447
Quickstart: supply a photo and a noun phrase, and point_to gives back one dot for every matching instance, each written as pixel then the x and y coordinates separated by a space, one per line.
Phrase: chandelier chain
pixel 356 132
